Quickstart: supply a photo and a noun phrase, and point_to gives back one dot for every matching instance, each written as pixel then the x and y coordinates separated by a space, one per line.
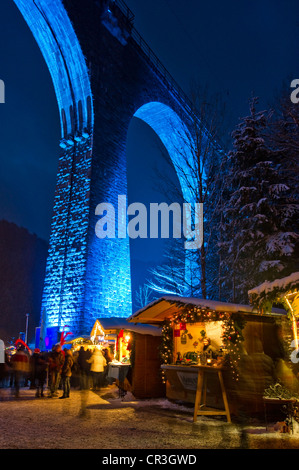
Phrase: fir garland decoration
pixel 133 349
pixel 166 347
pixel 264 296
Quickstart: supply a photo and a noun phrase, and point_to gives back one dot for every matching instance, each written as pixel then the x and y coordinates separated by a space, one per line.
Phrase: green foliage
pixel 280 392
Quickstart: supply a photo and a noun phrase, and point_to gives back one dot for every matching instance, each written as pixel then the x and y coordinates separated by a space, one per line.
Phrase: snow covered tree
pixel 170 278
pixel 283 138
pixel 143 296
pixel 260 213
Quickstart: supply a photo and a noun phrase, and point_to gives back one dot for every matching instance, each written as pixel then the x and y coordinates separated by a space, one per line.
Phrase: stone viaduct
pixel 103 74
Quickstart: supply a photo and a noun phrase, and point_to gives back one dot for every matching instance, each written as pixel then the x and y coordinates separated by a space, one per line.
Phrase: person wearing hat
pixel 67 373
pixel 56 361
pixel 38 366
pixel 32 368
pixel 20 366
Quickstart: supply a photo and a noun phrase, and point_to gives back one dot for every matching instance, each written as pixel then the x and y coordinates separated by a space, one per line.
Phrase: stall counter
pixel 182 381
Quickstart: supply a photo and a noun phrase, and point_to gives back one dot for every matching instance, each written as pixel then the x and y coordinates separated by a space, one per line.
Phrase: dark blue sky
pixel 234 47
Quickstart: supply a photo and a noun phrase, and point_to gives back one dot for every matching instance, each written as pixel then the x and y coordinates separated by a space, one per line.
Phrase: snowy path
pixel 91 420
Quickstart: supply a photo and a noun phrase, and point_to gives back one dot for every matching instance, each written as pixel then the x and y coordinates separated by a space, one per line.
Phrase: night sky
pixel 234 47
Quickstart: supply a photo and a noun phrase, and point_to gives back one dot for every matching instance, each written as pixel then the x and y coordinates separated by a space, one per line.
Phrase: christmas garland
pixel 133 349
pixel 167 344
pixel 267 294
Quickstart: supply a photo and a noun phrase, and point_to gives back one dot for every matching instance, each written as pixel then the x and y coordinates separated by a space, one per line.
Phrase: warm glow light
pixel 294 325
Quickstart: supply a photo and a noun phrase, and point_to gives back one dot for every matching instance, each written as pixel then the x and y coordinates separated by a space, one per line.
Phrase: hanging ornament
pixel 184 338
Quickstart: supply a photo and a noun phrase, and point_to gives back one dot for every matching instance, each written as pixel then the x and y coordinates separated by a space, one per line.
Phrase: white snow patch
pixel 268 286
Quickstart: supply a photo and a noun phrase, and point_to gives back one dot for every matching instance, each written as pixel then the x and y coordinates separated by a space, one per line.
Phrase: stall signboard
pixel 188 380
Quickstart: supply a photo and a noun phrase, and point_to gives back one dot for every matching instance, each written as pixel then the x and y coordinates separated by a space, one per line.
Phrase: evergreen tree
pixel 259 236
pixel 283 138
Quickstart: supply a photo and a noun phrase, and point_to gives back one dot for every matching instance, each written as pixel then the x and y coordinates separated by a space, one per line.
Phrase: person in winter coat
pixel 4 371
pixel 56 361
pixel 20 365
pixel 38 369
pixel 67 373
pixel 97 367
pixel 109 359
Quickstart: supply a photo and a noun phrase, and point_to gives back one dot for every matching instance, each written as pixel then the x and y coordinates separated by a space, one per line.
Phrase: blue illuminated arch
pixel 180 146
pixel 56 38
pixel 176 138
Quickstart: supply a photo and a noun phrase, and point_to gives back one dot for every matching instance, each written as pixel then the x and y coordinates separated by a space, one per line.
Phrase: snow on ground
pixel 103 420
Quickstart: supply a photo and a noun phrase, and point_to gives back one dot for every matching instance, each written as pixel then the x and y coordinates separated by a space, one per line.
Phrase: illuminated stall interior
pixel 133 347
pixel 190 341
pixel 81 341
pixel 117 334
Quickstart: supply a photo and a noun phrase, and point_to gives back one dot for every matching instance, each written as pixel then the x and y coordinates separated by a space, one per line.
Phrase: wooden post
pixel 198 394
pixel 202 387
pixel 224 396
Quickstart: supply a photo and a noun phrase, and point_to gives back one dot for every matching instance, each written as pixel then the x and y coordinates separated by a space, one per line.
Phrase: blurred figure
pixel 56 361
pixel 28 353
pixel 75 379
pixel 33 368
pixel 84 368
pixel 67 373
pixel 208 348
pixel 4 371
pixel 38 366
pixel 97 367
pixel 107 355
pixel 20 365
pixel 109 359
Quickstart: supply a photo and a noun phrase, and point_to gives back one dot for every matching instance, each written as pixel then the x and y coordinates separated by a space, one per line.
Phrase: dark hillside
pixel 22 269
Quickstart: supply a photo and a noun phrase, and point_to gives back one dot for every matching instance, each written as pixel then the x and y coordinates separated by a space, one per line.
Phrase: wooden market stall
pixel 135 352
pixel 248 348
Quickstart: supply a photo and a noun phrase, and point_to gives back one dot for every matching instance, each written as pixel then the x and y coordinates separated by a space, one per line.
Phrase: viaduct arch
pixel 103 74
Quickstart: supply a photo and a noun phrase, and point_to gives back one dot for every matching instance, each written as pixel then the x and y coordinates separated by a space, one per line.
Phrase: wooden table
pixel 202 390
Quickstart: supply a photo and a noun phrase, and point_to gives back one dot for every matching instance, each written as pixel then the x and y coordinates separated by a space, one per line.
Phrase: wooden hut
pixel 249 346
pixel 136 361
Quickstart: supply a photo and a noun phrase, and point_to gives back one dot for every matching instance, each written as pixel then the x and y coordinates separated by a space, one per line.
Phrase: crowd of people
pixel 60 369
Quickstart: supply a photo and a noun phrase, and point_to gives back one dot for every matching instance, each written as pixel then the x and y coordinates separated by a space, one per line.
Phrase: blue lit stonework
pixel 102 78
